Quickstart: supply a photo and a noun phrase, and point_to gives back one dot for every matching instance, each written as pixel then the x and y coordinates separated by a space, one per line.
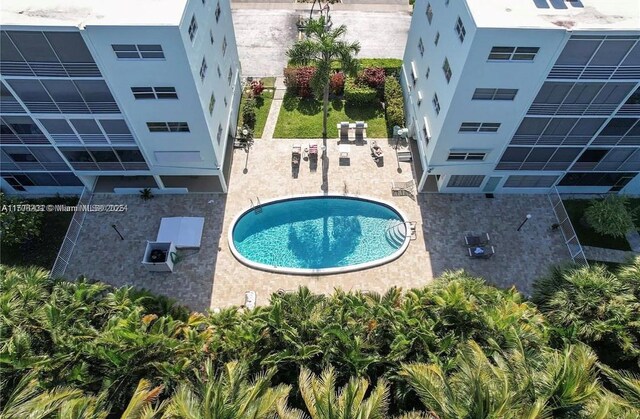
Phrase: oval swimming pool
pixel 318 234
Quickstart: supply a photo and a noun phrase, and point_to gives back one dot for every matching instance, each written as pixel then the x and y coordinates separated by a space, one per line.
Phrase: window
pixel 154 92
pixel 224 46
pixel 218 11
pixel 203 69
pixel 460 30
pixel 466 155
pixel 193 28
pixel 219 72
pixel 513 53
pixel 212 103
pixel 446 3
pixel 479 127
pixel 138 52
pixel 447 70
pixel 593 155
pixel 211 38
pixel 429 13
pixel 168 126
pixel 437 38
pixel 230 76
pixel 436 103
pixel 219 135
pixel 225 101
pixel 494 94
pixel 421 47
pixel 203 2
pixel 414 73
pixel 428 71
pixel 465 181
pixel 519 181
pixel 419 98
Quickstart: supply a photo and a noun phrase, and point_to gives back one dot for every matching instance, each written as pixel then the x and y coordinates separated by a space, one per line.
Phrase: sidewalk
pixel 602 254
pixel 274 111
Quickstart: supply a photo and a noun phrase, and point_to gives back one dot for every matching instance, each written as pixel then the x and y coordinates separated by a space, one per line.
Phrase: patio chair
pixel 343 132
pixel 481 252
pixel 403 189
pixel 360 127
pixel 250 300
pixel 296 154
pixel 313 156
pixel 477 240
pixel 376 153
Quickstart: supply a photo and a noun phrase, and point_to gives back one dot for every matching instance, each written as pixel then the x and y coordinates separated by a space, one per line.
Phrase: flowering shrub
pixel 336 84
pixel 257 86
pixel 298 80
pixel 373 77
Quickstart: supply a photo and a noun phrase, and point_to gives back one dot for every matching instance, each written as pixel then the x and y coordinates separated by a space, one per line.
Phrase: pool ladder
pixel 257 207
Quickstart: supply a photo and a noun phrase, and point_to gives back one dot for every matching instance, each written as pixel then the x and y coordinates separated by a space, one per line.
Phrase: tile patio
pixel 213 278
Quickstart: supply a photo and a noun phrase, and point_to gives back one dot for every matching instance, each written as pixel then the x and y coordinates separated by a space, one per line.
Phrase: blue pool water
pixel 317 233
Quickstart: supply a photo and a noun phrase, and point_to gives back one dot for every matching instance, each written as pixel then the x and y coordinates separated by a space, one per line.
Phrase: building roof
pixel 91 12
pixel 571 15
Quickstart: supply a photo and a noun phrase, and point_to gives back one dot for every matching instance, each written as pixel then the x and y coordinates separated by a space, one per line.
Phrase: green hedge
pixel 357 94
pixel 394 102
pixel 391 66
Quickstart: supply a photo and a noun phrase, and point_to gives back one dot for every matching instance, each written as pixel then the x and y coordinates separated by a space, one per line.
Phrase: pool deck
pixel 212 277
pixel 442 221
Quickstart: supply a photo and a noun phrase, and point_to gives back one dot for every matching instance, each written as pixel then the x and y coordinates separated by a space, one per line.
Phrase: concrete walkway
pixel 274 111
pixel 607 255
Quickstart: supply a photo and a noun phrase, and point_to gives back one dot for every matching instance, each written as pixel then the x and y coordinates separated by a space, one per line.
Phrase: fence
pixel 568 232
pixel 64 254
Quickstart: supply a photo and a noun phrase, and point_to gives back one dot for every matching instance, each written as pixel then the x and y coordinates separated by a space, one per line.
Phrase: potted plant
pixel 146 194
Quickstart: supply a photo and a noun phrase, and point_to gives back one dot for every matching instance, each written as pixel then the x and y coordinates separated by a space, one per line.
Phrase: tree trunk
pixel 325 110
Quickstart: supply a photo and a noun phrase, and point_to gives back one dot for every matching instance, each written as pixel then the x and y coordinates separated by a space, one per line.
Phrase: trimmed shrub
pixel 373 77
pixel 358 94
pixel 257 87
pixel 17 227
pixel 298 80
pixel 249 113
pixel 336 84
pixel 394 102
pixel 391 66
pixel 610 216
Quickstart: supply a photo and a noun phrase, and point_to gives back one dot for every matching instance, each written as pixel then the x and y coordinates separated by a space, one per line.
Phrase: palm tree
pixel 324 402
pixel 321 47
pixel 227 395
pixel 507 384
pixel 593 305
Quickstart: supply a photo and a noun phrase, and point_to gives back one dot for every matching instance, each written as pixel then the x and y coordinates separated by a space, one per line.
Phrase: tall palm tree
pixel 324 402
pixel 320 47
pixel 228 395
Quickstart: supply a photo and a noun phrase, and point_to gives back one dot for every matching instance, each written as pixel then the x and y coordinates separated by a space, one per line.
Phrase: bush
pixel 249 113
pixel 17 226
pixel 336 84
pixel 391 66
pixel 394 102
pixel 298 81
pixel 358 94
pixel 373 77
pixel 257 87
pixel 610 216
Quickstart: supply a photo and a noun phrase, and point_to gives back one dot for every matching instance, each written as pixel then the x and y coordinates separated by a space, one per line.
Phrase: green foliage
pixel 595 306
pixel 394 102
pixel 610 216
pixel 457 348
pixel 358 94
pixel 391 66
pixel 249 113
pixel 17 224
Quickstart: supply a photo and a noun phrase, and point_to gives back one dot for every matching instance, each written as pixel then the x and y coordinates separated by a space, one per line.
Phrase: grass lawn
pixel 269 82
pixel 589 237
pixel 263 104
pixel 42 250
pixel 302 118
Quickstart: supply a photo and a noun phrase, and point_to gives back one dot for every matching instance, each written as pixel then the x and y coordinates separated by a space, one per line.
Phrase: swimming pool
pixel 318 234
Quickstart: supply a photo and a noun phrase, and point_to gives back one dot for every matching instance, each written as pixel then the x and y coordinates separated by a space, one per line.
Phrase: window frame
pixel 154 92
pixel 446 68
pixel 461 155
pixel 436 103
pixel 460 30
pixel 138 51
pixel 193 28
pixel 167 127
pixel 520 54
pixel 479 127
pixel 429 13
pixel 203 69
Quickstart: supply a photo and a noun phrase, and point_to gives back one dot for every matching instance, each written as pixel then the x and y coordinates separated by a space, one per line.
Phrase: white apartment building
pixel 519 96
pixel 117 95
